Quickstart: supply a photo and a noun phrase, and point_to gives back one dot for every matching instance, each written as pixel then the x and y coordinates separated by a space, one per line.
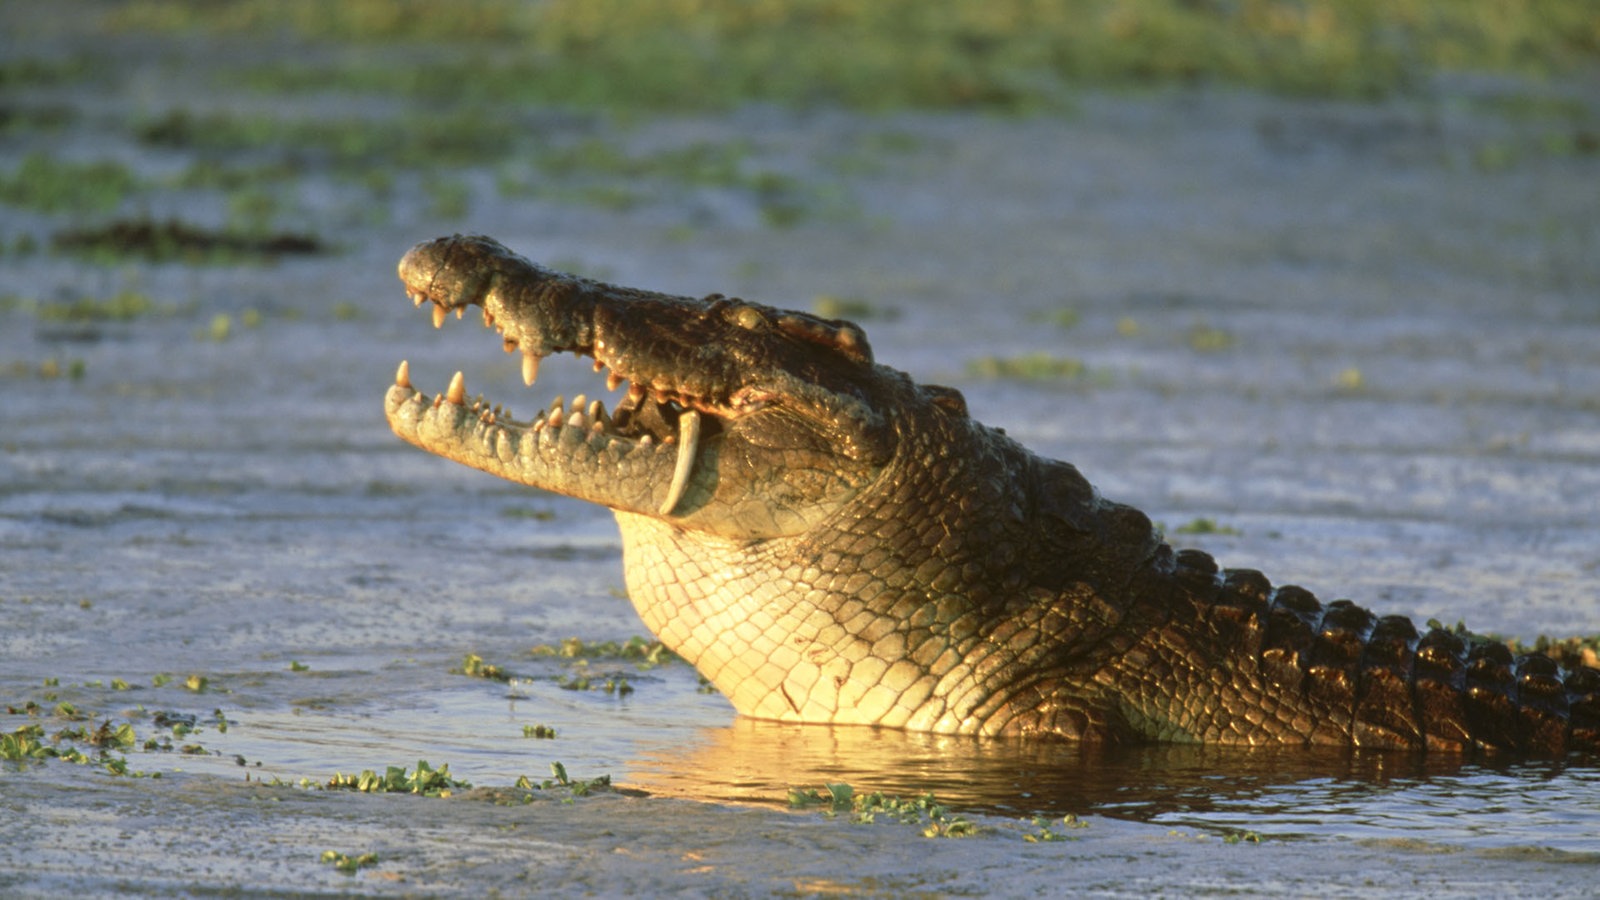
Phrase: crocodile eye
pixel 749 318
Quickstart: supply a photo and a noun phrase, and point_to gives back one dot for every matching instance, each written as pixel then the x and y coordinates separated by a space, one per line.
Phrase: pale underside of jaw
pixel 583 414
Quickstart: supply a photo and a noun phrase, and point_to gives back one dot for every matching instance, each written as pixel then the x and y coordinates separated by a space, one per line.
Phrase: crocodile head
pixel 739 420
pixel 823 538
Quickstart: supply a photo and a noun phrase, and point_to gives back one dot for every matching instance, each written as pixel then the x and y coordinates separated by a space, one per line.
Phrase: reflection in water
pixel 1283 792
pixel 670 740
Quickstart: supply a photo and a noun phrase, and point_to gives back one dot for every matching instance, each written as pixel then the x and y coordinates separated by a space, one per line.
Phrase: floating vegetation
pixel 1350 380
pixel 348 864
pixel 577 787
pixel 616 685
pixel 580 658
pixel 473 666
pixel 1045 830
pixel 1028 367
pixel 214 174
pixel 23 745
pixel 543 732
pixel 43 117
pixel 423 780
pixel 935 819
pixel 1207 339
pixel 859 309
pixel 123 306
pixel 1066 317
pixel 21 71
pixel 47 369
pixel 175 241
pixel 647 652
pixel 1205 525
pixel 46 184
pixel 31 743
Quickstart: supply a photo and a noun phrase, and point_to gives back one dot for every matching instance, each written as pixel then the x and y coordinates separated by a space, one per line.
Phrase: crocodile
pixel 828 541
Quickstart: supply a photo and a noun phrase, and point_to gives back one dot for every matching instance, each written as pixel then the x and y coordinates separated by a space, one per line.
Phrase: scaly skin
pixel 828 541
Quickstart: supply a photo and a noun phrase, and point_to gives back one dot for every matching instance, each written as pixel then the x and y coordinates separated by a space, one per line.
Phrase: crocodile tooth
pixel 416 298
pixel 613 381
pixel 402 376
pixel 508 345
pixel 530 368
pixel 488 319
pixel 557 414
pixel 646 440
pixel 688 443
pixel 580 402
pixel 457 393
pixel 597 410
pixel 438 315
pixel 460 311
pixel 576 420
pixel 598 365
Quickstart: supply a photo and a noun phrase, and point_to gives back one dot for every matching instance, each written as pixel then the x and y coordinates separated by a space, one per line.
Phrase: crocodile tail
pixel 1378 682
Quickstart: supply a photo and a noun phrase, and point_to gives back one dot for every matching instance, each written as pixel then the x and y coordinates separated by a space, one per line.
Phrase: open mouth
pixel 652 414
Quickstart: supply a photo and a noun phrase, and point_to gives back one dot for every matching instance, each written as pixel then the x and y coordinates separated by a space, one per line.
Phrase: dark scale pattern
pixel 852 547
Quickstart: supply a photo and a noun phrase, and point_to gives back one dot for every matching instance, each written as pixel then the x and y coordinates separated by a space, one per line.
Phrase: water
pixel 238 510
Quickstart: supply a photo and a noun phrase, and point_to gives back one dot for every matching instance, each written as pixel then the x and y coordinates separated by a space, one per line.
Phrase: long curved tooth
pixel 530 368
pixel 457 392
pixel 688 444
pixel 439 313
pixel 402 376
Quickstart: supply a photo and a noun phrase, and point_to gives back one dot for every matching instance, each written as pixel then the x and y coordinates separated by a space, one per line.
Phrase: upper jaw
pixel 458 272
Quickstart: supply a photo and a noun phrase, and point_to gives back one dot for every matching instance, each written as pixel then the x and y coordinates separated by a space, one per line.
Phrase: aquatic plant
pixel 1011 54
pixel 935 818
pixel 423 780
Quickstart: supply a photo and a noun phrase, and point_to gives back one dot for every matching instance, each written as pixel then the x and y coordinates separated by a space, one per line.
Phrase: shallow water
pixel 238 510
